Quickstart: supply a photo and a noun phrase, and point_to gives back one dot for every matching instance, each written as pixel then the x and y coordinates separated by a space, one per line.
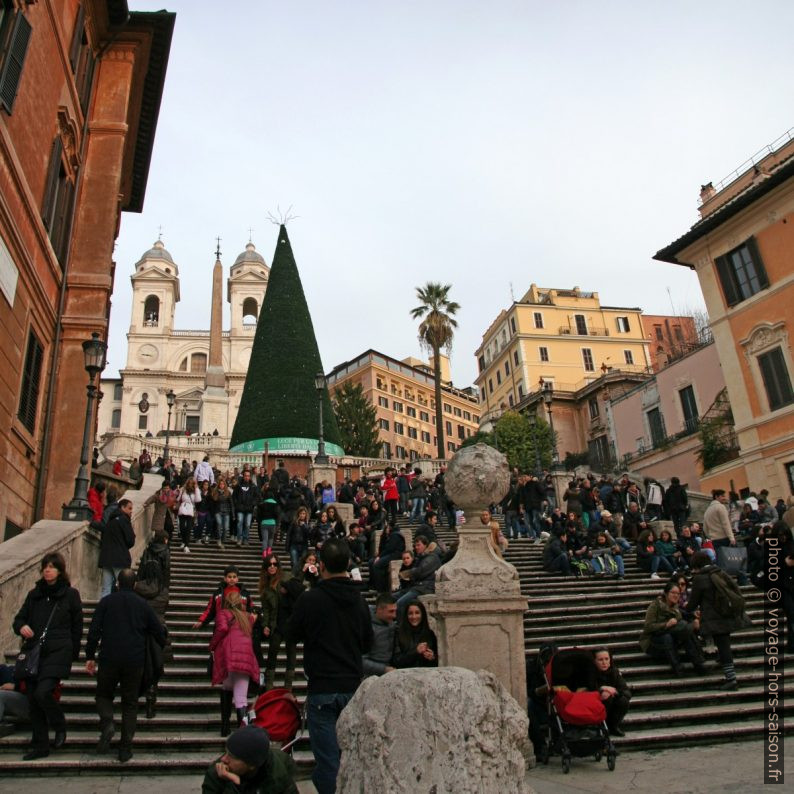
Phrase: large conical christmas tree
pixel 280 406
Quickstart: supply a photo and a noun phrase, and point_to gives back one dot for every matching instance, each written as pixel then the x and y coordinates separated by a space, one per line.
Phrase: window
pixel 425 436
pixel 776 378
pixel 457 411
pixel 629 356
pixel 448 428
pixel 115 419
pixel 599 452
pixel 656 426
pixel 450 446
pixel 510 399
pixel 498 377
pixel 398 428
pixel 520 391
pixel 410 411
pixel 192 424
pixel 183 365
pixel 467 416
pixel 56 209
pixel 412 432
pixel 386 450
pixel 538 320
pixel 513 324
pixel 461 432
pixel 447 408
pixel 623 324
pixel 398 406
pixel 31 382
pixel 14 37
pixel 481 363
pixel 151 311
pixel 198 362
pixel 741 273
pixel 424 416
pixel 678 333
pixel 544 353
pixel 118 392
pixel 400 452
pixel 659 334
pixel 581 324
pixel 515 358
pixel 384 424
pixel 507 367
pixel 383 402
pixel 689 408
pixel 143 421
pixel 592 404
pixel 490 385
pixel 587 358
pixel 475 418
pixel 250 311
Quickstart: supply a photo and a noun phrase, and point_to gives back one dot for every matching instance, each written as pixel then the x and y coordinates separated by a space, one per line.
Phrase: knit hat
pixel 250 744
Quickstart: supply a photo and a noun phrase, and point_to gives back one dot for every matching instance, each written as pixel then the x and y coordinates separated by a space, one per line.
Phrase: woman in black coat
pixel 613 688
pixel 415 642
pixel 51 599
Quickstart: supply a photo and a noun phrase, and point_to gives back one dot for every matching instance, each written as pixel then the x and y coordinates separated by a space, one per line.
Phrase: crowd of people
pixel 310 591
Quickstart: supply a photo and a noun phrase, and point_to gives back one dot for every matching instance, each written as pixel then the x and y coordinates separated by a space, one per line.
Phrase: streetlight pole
pixel 170 398
pixel 78 509
pixel 320 458
pixel 548 396
pixel 533 421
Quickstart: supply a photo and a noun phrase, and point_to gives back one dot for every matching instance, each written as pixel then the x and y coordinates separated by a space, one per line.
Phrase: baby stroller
pixel 577 720
pixel 278 713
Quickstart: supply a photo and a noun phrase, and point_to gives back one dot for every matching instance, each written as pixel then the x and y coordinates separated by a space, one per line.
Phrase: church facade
pixel 205 369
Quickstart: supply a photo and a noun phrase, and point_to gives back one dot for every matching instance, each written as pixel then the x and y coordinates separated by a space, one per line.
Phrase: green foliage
pixel 279 398
pixel 719 441
pixel 357 420
pixel 436 331
pixel 479 437
pixel 574 459
pixel 515 437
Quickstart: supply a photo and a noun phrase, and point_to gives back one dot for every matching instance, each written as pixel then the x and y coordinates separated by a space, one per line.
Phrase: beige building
pixel 205 368
pixel 402 393
pixel 563 337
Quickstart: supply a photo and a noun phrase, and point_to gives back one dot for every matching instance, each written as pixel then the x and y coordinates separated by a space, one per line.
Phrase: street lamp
pixel 170 398
pixel 78 509
pixel 548 396
pixel 319 383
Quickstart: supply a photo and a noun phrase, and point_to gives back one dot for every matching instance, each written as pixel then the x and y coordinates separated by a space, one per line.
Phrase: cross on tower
pixel 159 234
pixel 218 248
pixel 250 232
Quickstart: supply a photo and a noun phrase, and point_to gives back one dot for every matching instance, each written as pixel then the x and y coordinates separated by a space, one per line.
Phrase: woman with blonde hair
pixel 233 661
pixel 189 497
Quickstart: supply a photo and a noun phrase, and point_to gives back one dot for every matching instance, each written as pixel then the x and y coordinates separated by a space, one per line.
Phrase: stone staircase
pixel 184 735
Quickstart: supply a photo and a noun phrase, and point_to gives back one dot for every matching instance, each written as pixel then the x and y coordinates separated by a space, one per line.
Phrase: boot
pixel 288 676
pixel 270 679
pixel 672 658
pixel 151 703
pixel 242 717
pixel 226 712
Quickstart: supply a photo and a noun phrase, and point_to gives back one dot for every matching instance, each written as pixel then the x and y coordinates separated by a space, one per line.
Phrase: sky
pixel 486 146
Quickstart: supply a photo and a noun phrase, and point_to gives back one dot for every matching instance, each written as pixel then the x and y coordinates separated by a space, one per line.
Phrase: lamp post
pixel 533 421
pixel 170 398
pixel 320 458
pixel 78 509
pixel 548 396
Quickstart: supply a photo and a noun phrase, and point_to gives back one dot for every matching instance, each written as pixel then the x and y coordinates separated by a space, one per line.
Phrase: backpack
pixel 728 601
pixel 582 567
pixel 149 568
pixel 609 563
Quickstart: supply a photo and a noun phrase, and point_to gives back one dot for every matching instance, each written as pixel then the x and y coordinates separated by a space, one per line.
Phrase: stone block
pixel 435 731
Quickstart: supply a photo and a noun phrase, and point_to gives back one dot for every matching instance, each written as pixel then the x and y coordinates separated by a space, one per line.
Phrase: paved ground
pixel 724 768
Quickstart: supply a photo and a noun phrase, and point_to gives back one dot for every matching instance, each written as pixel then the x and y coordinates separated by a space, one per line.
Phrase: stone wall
pixel 79 544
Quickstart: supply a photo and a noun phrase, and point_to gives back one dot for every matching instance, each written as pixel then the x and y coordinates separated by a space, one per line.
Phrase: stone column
pixel 325 472
pixel 478 607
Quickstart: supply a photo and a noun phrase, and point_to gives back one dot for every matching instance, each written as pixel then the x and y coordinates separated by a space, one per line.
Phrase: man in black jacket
pixel 333 622
pixel 114 548
pixel 122 621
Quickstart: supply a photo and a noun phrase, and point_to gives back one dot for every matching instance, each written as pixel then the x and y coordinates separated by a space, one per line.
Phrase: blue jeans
pixel 222 522
pixel 203 525
pixel 109 576
pixel 295 554
pixel 243 525
pixel 267 531
pixel 322 712
pixel 623 544
pixel 657 561
pixel 418 509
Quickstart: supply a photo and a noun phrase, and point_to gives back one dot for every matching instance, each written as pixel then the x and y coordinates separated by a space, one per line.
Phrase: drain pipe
pixel 41 476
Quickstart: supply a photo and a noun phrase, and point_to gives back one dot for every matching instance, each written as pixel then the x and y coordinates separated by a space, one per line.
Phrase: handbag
pixel 27 663
pixel 732 559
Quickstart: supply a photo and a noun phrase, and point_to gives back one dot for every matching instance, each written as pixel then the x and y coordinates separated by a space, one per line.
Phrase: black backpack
pixel 728 600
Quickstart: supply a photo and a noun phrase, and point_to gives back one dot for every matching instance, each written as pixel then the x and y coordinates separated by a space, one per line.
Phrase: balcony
pixel 567 330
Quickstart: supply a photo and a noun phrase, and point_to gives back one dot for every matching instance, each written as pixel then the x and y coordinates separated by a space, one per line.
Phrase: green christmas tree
pixel 280 404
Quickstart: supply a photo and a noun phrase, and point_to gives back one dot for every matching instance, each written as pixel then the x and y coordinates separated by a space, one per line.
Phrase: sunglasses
pixel 273 565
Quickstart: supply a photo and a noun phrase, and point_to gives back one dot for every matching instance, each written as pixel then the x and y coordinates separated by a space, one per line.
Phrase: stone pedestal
pixel 322 472
pixel 478 607
pixel 346 512
pixel 215 410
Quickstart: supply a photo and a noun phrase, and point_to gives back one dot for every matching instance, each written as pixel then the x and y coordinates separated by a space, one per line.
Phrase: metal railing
pixel 567 330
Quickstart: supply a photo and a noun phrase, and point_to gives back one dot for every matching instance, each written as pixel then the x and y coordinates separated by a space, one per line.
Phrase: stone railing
pixel 21 556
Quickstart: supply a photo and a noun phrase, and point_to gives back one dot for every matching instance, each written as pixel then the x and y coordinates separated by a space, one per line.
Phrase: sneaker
pixel 220 545
pixel 655 576
pixel 186 549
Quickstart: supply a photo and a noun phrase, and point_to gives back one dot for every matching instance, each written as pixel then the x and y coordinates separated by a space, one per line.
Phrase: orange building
pixel 742 249
pixel 80 90
pixel 669 338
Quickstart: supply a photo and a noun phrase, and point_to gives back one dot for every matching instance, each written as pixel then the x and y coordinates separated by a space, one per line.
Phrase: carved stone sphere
pixel 476 476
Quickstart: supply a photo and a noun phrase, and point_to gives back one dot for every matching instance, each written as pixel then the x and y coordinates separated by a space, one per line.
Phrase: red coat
pixel 389 489
pixel 233 650
pixel 95 503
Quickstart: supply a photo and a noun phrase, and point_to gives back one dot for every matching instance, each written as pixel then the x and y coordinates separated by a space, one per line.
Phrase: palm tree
pixel 435 332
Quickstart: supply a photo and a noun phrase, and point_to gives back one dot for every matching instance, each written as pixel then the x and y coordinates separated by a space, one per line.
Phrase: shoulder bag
pixel 27 664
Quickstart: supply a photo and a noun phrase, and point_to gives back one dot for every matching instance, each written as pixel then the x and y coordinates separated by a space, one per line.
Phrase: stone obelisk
pixel 215 400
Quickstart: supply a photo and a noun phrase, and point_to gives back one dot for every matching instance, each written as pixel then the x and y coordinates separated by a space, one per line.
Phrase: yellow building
pixel 565 337
pixel 402 393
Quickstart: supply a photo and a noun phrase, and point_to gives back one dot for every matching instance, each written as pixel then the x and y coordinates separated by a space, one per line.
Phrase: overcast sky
pixel 485 145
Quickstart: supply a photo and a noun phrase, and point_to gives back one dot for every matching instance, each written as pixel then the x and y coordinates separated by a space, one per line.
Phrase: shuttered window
pixel 56 209
pixel 776 378
pixel 15 32
pixel 31 381
pixel 742 273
